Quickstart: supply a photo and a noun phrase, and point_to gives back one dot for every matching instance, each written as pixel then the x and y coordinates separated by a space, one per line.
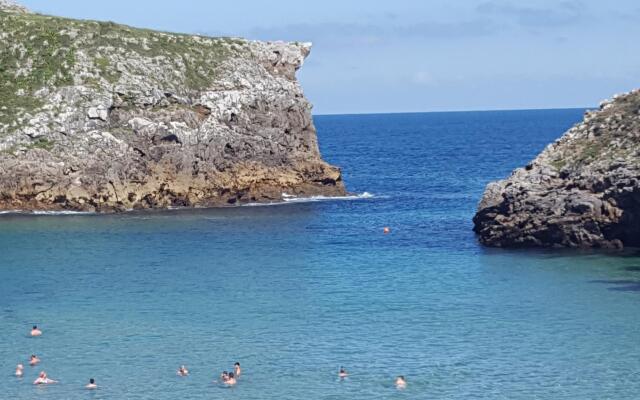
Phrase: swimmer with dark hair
pixel 183 371
pixel 231 379
pixel 35 331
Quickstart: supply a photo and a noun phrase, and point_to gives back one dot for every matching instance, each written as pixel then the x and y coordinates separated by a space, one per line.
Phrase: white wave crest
pixel 290 199
pixel 286 199
pixel 293 199
pixel 62 212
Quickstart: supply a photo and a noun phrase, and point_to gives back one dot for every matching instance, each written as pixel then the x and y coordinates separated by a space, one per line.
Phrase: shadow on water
pixel 620 285
pixel 248 215
pixel 604 264
pixel 548 253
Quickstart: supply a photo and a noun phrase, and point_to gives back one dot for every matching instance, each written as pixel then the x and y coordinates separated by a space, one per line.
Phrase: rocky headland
pixel 96 116
pixel 582 191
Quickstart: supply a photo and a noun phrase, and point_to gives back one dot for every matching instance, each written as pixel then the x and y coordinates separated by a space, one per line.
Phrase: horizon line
pixel 455 111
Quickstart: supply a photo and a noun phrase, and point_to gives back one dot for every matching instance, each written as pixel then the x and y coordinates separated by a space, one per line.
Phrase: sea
pixel 296 290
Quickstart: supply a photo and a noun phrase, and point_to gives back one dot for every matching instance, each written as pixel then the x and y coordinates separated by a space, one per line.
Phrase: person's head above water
pixel 92 384
pixel 231 379
pixel 237 364
pixel 35 327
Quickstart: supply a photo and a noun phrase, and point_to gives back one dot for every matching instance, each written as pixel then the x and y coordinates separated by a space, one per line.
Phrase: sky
pixel 414 56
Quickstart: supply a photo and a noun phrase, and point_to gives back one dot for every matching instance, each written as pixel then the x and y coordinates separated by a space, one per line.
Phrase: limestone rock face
pixel 100 116
pixel 581 191
pixel 12 6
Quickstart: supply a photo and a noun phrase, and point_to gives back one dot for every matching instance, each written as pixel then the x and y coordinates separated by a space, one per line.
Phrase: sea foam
pixel 61 212
pixel 289 199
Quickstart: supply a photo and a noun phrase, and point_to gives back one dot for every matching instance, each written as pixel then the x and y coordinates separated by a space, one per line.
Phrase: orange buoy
pixel 386 230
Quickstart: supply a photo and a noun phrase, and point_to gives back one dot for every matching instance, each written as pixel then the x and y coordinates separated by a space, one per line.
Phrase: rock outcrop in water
pixel 581 191
pixel 100 116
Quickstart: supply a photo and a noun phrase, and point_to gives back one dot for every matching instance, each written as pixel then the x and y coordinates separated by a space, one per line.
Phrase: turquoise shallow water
pixel 295 291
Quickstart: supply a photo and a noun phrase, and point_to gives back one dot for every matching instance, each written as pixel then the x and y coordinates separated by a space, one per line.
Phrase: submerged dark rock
pixel 101 116
pixel 581 191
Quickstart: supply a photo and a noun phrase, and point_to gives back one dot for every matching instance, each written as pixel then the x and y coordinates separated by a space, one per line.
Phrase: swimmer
pixel 386 230
pixel 19 370
pixel 224 376
pixel 34 360
pixel 183 371
pixel 237 370
pixel 401 383
pixel 91 385
pixel 42 379
pixel 231 380
pixel 35 331
pixel 342 373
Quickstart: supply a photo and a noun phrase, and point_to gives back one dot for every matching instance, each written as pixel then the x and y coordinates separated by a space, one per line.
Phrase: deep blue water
pixel 295 291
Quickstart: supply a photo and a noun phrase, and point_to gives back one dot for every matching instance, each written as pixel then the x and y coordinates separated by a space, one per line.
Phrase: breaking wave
pixel 289 199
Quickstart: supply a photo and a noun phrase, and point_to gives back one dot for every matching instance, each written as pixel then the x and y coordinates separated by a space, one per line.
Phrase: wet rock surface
pixel 581 191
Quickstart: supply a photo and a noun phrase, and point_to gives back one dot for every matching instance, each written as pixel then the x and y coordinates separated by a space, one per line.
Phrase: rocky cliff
pixel 582 191
pixel 105 117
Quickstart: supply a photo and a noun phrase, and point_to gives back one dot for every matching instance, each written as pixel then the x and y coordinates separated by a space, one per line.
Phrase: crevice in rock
pixel 171 138
pixel 114 191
